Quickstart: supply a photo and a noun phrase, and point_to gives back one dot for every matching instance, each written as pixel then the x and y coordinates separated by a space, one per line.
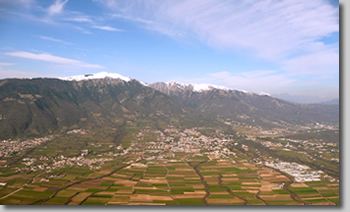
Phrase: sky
pixel 273 46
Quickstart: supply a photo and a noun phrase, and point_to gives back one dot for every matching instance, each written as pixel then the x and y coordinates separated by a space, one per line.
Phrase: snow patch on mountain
pixel 100 75
pixel 263 94
pixel 243 91
pixel 196 87
pixel 206 87
pixel 175 83
pixel 144 83
pixel 193 87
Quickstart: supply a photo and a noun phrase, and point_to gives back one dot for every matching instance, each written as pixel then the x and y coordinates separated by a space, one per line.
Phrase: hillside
pixel 248 107
pixel 30 107
pixel 41 106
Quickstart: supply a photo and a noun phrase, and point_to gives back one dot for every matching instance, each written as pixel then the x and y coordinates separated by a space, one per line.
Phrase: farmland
pixel 149 167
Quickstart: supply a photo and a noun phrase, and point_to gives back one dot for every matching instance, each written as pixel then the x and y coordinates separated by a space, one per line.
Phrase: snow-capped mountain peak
pixel 195 87
pixel 206 87
pixel 100 75
pixel 179 84
pixel 263 94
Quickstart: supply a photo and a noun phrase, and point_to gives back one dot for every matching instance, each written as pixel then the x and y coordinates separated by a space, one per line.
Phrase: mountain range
pixel 31 107
pixel 307 99
pixel 332 101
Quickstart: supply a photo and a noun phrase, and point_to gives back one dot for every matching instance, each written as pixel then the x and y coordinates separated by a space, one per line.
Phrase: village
pixel 167 143
pixel 169 155
pixel 191 141
pixel 10 147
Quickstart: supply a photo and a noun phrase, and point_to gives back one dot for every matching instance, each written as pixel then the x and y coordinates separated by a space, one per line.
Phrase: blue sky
pixel 273 46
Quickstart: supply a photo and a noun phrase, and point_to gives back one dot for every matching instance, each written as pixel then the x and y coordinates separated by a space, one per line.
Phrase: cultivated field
pixel 94 169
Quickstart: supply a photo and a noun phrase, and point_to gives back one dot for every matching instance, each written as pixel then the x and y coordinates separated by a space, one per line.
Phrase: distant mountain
pixel 332 102
pixel 31 107
pixel 174 86
pixel 248 107
pixel 304 99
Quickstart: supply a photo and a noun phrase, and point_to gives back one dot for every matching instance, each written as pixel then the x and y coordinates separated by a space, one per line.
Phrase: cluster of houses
pixel 271 144
pixel 76 131
pixel 191 141
pixel 61 161
pixel 301 173
pixel 172 141
pixel 10 147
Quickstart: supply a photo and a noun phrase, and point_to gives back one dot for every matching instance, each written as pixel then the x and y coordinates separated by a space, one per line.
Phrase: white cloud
pixel 270 29
pixel 54 40
pixel 6 64
pixel 79 19
pixel 82 29
pixel 107 28
pixel 130 18
pixel 57 7
pixel 53 59
pixel 255 74
pixel 322 62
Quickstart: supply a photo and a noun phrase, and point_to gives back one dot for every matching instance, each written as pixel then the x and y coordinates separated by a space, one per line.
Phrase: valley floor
pixel 194 166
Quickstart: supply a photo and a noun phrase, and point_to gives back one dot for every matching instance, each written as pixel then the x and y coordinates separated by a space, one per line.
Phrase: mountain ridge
pixel 46 105
pixel 30 107
pixel 193 86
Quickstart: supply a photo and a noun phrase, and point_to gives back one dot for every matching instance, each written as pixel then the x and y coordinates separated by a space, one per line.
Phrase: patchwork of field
pixel 97 170
pixel 189 181
pixel 317 193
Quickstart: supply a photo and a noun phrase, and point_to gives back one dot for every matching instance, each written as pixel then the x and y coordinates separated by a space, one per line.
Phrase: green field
pixel 132 172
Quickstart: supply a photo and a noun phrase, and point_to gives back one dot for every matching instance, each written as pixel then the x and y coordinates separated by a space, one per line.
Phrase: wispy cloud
pixel 275 30
pixel 252 24
pixel 57 7
pixel 82 29
pixel 54 40
pixel 107 28
pixel 57 14
pixel 6 64
pixel 324 61
pixel 53 59
pixel 79 19
pixel 18 3
pixel 131 18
